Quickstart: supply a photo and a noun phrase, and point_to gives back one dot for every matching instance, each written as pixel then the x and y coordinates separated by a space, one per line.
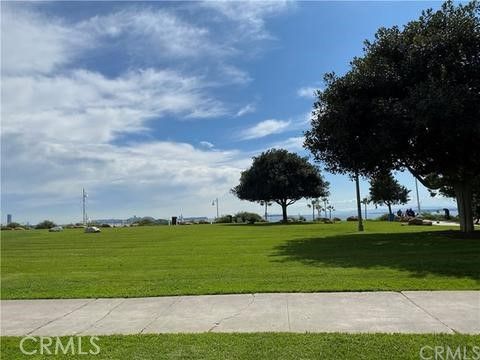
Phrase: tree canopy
pixel 45 224
pixel 385 190
pixel 282 177
pixel 412 101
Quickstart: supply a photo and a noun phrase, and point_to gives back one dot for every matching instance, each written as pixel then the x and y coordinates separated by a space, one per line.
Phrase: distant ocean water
pixel 371 214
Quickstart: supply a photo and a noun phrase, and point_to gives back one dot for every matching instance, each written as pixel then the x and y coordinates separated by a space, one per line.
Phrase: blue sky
pixel 156 107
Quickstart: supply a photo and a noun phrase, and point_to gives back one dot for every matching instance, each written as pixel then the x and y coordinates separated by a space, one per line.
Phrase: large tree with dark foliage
pixel 385 190
pixel 449 191
pixel 412 101
pixel 282 177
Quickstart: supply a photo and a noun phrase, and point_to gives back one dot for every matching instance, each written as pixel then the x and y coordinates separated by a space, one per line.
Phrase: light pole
pixel 213 204
pixel 359 206
pixel 84 197
pixel 418 198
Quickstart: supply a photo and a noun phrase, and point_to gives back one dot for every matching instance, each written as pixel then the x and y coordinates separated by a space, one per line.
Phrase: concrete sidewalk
pixel 402 312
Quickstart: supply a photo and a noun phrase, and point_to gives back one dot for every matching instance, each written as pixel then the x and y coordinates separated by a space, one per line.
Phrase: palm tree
pixel 325 203
pixel 314 205
pixel 330 208
pixel 266 204
pixel 365 201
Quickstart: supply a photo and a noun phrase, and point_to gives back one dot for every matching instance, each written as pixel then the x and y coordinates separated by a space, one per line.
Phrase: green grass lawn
pixel 275 346
pixel 210 259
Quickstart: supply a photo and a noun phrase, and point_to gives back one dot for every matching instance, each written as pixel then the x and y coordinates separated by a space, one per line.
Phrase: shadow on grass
pixel 279 223
pixel 422 253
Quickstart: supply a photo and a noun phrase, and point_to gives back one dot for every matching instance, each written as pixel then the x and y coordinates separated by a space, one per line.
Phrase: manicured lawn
pixel 259 346
pixel 210 259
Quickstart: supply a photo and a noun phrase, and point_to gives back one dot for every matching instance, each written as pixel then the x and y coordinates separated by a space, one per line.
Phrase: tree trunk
pixel 463 193
pixel 389 212
pixel 284 212
pixel 359 205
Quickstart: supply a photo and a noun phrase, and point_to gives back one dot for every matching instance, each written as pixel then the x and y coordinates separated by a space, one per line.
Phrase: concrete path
pixel 353 312
pixel 445 223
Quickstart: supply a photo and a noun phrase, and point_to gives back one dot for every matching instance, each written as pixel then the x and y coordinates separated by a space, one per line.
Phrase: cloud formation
pixel 307 92
pixel 62 119
pixel 247 109
pixel 265 128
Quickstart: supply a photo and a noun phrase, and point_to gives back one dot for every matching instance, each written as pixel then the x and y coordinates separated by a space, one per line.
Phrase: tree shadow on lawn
pixel 422 253
pixel 279 223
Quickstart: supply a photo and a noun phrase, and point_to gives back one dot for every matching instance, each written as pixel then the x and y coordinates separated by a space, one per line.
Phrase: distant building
pixel 9 218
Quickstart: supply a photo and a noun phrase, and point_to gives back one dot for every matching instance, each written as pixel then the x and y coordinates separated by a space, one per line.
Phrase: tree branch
pixel 422 180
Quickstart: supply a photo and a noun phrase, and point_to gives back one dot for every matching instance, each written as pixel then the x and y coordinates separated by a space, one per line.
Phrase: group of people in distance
pixel 408 213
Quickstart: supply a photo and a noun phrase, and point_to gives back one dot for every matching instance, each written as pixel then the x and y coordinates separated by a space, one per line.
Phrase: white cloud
pixel 265 128
pixel 291 144
pixel 234 75
pixel 307 92
pixel 159 33
pixel 86 105
pixel 249 15
pixel 207 144
pixel 32 43
pixel 61 168
pixel 61 122
pixel 247 109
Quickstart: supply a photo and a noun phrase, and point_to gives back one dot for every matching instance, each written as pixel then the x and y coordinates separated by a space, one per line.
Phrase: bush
pixel 6 228
pixel 225 219
pixel 336 219
pixel 437 217
pixel 46 224
pixel 386 217
pixel 105 225
pixel 145 222
pixel 352 218
pixel 248 217
pixel 13 225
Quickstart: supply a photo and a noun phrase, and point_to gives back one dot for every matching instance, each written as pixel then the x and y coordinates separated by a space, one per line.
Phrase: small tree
pixel 385 190
pixel 46 224
pixel 248 217
pixel 281 177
